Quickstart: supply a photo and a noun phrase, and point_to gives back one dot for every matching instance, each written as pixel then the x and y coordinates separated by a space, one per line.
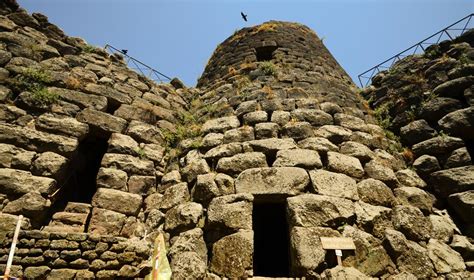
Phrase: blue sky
pixel 177 37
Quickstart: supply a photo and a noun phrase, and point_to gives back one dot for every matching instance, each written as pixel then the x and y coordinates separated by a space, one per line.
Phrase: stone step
pixel 64 228
pixel 68 218
pixel 77 207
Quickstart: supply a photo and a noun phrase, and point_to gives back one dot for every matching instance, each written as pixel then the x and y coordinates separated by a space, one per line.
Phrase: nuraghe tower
pixel 273 149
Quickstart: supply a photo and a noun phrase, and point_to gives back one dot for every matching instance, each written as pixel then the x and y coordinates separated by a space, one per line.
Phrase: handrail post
pixel 12 248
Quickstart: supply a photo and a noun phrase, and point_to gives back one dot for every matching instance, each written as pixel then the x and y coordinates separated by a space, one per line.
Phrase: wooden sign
pixel 337 243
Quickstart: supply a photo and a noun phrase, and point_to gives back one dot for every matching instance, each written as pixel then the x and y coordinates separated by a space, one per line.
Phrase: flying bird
pixel 124 51
pixel 244 16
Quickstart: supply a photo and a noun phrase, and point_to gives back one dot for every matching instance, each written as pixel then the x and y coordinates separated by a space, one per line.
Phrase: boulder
pixel 373 219
pixel 410 221
pixel 437 146
pixel 122 144
pixel 188 265
pixel 189 241
pixel 113 96
pixel 8 223
pixel 183 217
pixel 307 253
pixel 50 164
pixel 354 149
pixel 253 118
pixel 266 130
pixel 335 134
pixel 144 132
pixel 416 131
pixel 38 141
pixel 378 170
pixel 345 164
pixel 31 205
pixel 454 87
pixel 350 122
pixel 231 212
pixel 459 123
pixel 280 117
pixel 319 144
pixel 272 180
pixel 463 205
pixel 409 178
pixel 241 134
pixel 118 201
pixel 13 157
pixel 304 158
pixel 172 196
pixel 308 210
pixel 340 272
pixel 443 227
pixel 106 222
pixel 212 139
pixel 298 130
pixel 426 165
pixel 436 108
pixel 36 272
pixel 313 116
pixel 370 257
pixel 80 99
pixel 112 178
pixel 458 158
pixel 232 255
pixel 408 255
pixel 272 145
pixel 62 125
pixel 129 164
pixel 463 246
pixel 240 162
pixel 17 182
pixel 220 124
pixel 445 259
pixel 375 192
pixel 414 197
pixel 142 185
pixel 104 123
pixel 453 180
pixel 333 184
pixel 225 150
pixel 211 185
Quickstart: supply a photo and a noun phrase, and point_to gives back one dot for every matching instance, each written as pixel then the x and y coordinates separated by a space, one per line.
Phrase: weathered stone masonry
pixel 243 174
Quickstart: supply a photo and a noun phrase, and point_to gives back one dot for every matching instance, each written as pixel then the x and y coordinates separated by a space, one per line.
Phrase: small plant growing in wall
pixel 89 49
pixel 34 81
pixel 268 68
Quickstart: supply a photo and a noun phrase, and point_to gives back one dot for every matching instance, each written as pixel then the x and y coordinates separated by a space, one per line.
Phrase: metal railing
pixel 139 66
pixel 456 29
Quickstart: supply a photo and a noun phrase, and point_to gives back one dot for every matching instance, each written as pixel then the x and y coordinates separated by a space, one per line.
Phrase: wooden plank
pixel 337 243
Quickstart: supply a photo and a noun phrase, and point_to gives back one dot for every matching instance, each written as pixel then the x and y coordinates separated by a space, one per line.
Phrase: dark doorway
pixel 271 240
pixel 265 53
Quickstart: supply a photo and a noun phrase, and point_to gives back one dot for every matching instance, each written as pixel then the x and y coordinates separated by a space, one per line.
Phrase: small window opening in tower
pixel 271 240
pixel 470 148
pixel 265 53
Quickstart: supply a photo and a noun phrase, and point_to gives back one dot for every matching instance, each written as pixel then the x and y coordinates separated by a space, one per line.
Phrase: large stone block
pixel 453 180
pixel 445 259
pixel 119 201
pixel 299 158
pixel 81 99
pixel 410 221
pixel 144 132
pixel 240 162
pixel 463 204
pixel 17 182
pixel 62 125
pixel 232 256
pixel 272 145
pixel 38 141
pixel 13 157
pixel 130 164
pixel 220 124
pixel 272 180
pixel 375 192
pixel 308 210
pixel 307 253
pixel 333 184
pixel 50 164
pixel 345 164
pixel 112 178
pixel 106 222
pixel 183 217
pixel 232 212
pixel 102 122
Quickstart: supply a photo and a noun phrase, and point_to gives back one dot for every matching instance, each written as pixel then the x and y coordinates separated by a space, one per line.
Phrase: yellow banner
pixel 161 269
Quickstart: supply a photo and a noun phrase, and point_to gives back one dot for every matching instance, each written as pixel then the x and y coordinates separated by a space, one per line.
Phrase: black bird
pixel 244 16
pixel 124 51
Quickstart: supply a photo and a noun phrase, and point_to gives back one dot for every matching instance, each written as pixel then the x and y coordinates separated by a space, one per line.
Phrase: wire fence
pixel 139 66
pixel 448 33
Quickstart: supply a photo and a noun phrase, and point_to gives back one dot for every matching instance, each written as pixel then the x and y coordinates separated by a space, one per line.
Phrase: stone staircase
pixel 72 219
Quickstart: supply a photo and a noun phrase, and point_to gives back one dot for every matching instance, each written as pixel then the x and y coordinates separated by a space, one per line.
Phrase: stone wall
pixel 41 255
pixel 428 101
pixel 92 147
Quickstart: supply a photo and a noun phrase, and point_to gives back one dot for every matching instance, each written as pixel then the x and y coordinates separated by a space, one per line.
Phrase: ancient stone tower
pixel 243 174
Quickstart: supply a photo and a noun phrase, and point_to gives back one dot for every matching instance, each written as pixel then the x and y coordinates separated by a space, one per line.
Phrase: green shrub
pixel 43 96
pixel 268 68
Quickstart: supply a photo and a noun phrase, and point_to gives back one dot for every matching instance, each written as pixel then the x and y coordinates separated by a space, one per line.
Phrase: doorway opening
pixel 271 240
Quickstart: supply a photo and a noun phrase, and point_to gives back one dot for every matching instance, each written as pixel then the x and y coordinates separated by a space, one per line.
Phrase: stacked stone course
pixel 274 119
